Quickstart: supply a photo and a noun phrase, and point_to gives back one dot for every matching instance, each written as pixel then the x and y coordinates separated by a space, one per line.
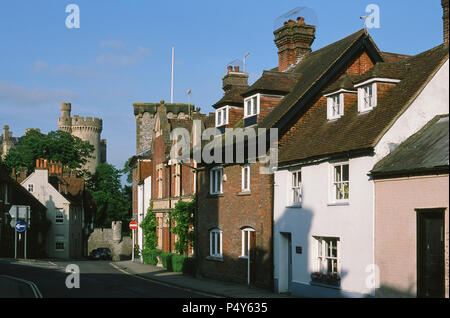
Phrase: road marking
pixel 164 284
pixel 36 292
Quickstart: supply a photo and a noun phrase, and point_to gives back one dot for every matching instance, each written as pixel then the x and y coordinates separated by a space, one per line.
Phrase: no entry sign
pixel 133 225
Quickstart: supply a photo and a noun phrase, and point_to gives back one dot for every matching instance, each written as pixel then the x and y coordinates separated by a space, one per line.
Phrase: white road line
pixel 36 292
pixel 161 283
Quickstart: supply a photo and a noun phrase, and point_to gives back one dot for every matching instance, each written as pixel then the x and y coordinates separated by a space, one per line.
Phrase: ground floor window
pixel 215 243
pixel 246 232
pixel 59 243
pixel 327 261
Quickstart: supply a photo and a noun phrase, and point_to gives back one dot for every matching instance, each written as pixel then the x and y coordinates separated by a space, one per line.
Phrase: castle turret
pixel 65 122
pixel 89 129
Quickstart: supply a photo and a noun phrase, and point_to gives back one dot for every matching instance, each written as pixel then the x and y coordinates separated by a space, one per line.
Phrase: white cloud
pixel 69 71
pixel 113 44
pixel 16 94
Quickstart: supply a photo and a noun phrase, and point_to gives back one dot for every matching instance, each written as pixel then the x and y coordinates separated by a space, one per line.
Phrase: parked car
pixel 101 253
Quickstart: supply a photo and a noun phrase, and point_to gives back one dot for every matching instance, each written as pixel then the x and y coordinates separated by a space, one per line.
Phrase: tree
pixel 106 189
pixel 183 215
pixel 60 146
pixel 149 225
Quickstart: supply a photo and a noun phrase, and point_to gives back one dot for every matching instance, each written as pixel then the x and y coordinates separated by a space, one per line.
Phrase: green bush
pixel 166 259
pixel 183 264
pixel 150 256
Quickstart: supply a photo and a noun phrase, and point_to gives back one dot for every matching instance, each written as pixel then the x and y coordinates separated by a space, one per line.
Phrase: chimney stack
pixel 234 78
pixel 445 19
pixel 293 40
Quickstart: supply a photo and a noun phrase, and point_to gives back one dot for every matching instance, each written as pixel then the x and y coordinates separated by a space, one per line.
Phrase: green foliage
pixel 106 189
pixel 183 215
pixel 150 256
pixel 128 171
pixel 166 259
pixel 60 146
pixel 149 225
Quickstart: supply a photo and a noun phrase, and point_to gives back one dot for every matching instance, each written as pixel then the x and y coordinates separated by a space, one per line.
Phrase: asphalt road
pixel 97 279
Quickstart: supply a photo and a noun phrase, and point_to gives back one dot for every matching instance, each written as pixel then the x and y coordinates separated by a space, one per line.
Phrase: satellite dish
pixel 305 12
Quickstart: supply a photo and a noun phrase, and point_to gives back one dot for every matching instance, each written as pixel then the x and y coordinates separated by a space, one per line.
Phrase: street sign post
pixel 20 215
pixel 133 226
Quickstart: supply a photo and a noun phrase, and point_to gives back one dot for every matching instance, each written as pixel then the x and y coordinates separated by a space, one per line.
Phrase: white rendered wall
pixel 144 196
pixel 432 101
pixel 53 200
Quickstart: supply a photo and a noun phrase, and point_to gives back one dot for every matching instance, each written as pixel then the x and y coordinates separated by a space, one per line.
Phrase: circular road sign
pixel 20 226
pixel 133 225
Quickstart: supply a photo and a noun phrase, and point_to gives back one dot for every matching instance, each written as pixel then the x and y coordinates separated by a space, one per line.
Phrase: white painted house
pixel 144 196
pixel 323 196
pixel 65 211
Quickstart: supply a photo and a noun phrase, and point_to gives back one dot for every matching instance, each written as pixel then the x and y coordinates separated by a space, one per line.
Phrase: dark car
pixel 102 253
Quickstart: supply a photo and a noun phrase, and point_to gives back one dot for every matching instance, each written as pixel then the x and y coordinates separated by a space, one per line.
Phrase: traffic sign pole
pixel 15 243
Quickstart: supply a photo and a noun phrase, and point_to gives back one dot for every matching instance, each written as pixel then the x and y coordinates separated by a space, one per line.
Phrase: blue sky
pixel 121 53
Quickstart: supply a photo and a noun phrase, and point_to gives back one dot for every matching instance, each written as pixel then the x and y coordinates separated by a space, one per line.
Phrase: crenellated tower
pixel 87 129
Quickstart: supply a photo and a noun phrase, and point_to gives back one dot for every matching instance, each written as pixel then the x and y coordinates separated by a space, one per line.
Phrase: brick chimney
pixel 234 78
pixel 445 19
pixel 293 41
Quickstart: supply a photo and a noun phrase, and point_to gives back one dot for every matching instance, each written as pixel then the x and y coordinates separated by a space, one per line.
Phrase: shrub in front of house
pixel 150 256
pixel 166 259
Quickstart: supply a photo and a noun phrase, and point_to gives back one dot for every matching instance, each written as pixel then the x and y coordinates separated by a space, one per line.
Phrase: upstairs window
pixel 340 187
pixel 216 180
pixel 251 105
pixel 367 97
pixel 296 189
pixel 222 116
pixel 30 188
pixel 246 178
pixel 335 105
pixel 59 217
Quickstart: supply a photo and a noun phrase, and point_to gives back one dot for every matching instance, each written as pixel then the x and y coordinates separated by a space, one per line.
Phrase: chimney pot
pixel 236 68
pixel 230 68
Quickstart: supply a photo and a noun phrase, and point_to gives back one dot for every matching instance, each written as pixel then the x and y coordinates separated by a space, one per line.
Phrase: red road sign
pixel 133 225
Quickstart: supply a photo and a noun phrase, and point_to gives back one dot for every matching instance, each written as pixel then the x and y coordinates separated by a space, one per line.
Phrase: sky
pixel 121 53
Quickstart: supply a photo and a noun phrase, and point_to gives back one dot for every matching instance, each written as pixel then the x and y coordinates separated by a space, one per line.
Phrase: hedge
pixel 183 264
pixel 150 256
pixel 166 259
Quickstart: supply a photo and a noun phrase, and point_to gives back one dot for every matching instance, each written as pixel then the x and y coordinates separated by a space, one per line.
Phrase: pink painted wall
pixel 396 201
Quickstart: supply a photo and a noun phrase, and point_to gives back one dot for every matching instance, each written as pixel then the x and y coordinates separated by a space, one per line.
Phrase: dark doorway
pixel 430 253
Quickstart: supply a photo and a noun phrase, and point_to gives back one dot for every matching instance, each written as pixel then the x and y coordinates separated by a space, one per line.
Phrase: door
pixel 430 253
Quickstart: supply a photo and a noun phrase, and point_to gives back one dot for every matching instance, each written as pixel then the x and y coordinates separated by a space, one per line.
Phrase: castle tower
pixel 7 143
pixel 65 122
pixel 87 129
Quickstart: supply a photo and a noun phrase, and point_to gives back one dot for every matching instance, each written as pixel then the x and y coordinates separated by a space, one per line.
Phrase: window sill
pixel 294 206
pixel 218 195
pixel 244 193
pixel 214 258
pixel 346 203
pixel 337 287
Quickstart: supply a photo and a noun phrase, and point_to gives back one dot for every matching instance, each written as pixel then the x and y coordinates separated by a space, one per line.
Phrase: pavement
pixel 199 285
pixel 13 287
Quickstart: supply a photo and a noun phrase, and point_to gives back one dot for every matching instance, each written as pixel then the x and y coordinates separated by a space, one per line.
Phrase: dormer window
pixel 335 106
pixel 367 97
pixel 222 116
pixel 367 93
pixel 251 105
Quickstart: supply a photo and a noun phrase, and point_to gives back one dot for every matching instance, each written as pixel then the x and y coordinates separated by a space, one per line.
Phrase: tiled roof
pixel 312 68
pixel 427 150
pixel 232 97
pixel 273 82
pixel 353 131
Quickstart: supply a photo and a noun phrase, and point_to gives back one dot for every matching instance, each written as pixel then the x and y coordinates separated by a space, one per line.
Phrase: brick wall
pixel 230 212
pixel 267 104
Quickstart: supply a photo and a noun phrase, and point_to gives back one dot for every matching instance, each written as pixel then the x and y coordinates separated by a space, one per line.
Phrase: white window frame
pixel 59 215
pixel 216 180
pixel 177 180
pixel 160 183
pixel 245 246
pixel 245 184
pixel 296 188
pixel 367 102
pixel 223 114
pixel 331 106
pixel 216 250
pixel 254 109
pixel 324 255
pixel 339 184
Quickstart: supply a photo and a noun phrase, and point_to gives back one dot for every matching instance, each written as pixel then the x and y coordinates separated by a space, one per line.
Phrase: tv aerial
pixel 305 12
